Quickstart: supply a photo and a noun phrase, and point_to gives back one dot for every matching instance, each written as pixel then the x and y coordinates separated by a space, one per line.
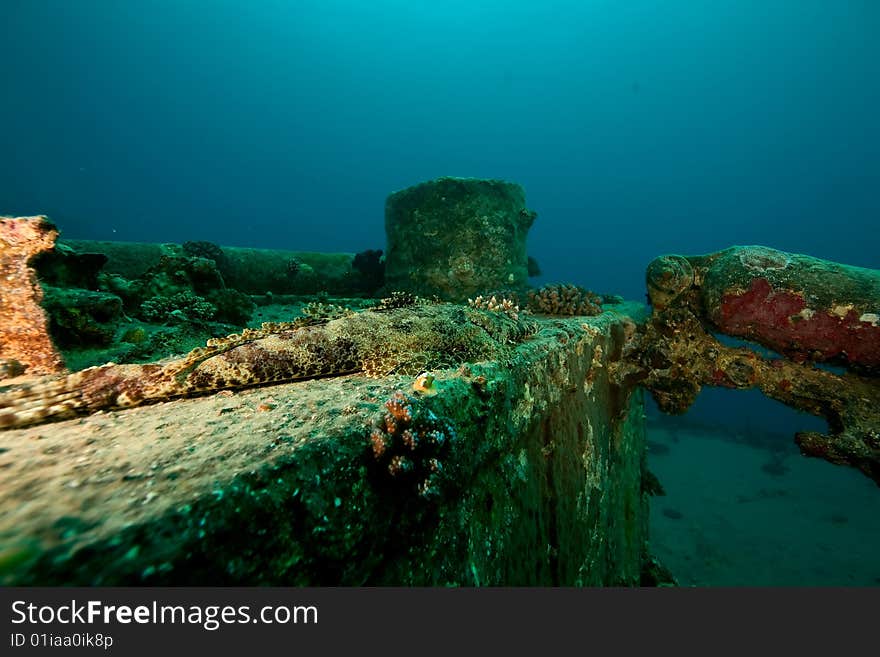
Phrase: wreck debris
pixel 806 308
pixel 457 237
pixel 24 332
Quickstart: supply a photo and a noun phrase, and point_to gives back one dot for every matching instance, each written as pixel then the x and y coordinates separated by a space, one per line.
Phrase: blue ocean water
pixel 637 128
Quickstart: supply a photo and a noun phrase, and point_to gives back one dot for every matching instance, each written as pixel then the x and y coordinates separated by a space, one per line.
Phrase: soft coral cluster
pixel 407 441
pixel 564 300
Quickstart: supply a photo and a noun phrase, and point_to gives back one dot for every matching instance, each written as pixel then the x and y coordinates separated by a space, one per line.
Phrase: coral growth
pixel 209 250
pixel 564 300
pixel 177 308
pixel 408 442
pixel 184 289
pixel 174 274
pixel 493 304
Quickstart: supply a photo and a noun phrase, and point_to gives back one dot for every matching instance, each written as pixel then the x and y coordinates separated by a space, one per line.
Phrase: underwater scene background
pixel 637 129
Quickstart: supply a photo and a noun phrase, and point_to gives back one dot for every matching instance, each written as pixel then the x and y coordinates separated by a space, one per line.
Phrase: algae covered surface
pixel 281 484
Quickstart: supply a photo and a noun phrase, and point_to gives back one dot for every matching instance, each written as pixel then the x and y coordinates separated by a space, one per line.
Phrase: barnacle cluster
pixel 565 299
pixel 408 441
pixel 503 305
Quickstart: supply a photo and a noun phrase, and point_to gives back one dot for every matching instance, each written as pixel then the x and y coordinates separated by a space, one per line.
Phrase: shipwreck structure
pixel 809 311
pixel 506 470
pixel 457 237
pixel 411 441
pixel 460 430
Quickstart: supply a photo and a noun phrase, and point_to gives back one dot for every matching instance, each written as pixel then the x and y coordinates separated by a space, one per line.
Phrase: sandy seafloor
pixel 741 514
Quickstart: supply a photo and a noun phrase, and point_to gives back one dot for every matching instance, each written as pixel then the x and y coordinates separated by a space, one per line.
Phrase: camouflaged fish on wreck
pixel 402 334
